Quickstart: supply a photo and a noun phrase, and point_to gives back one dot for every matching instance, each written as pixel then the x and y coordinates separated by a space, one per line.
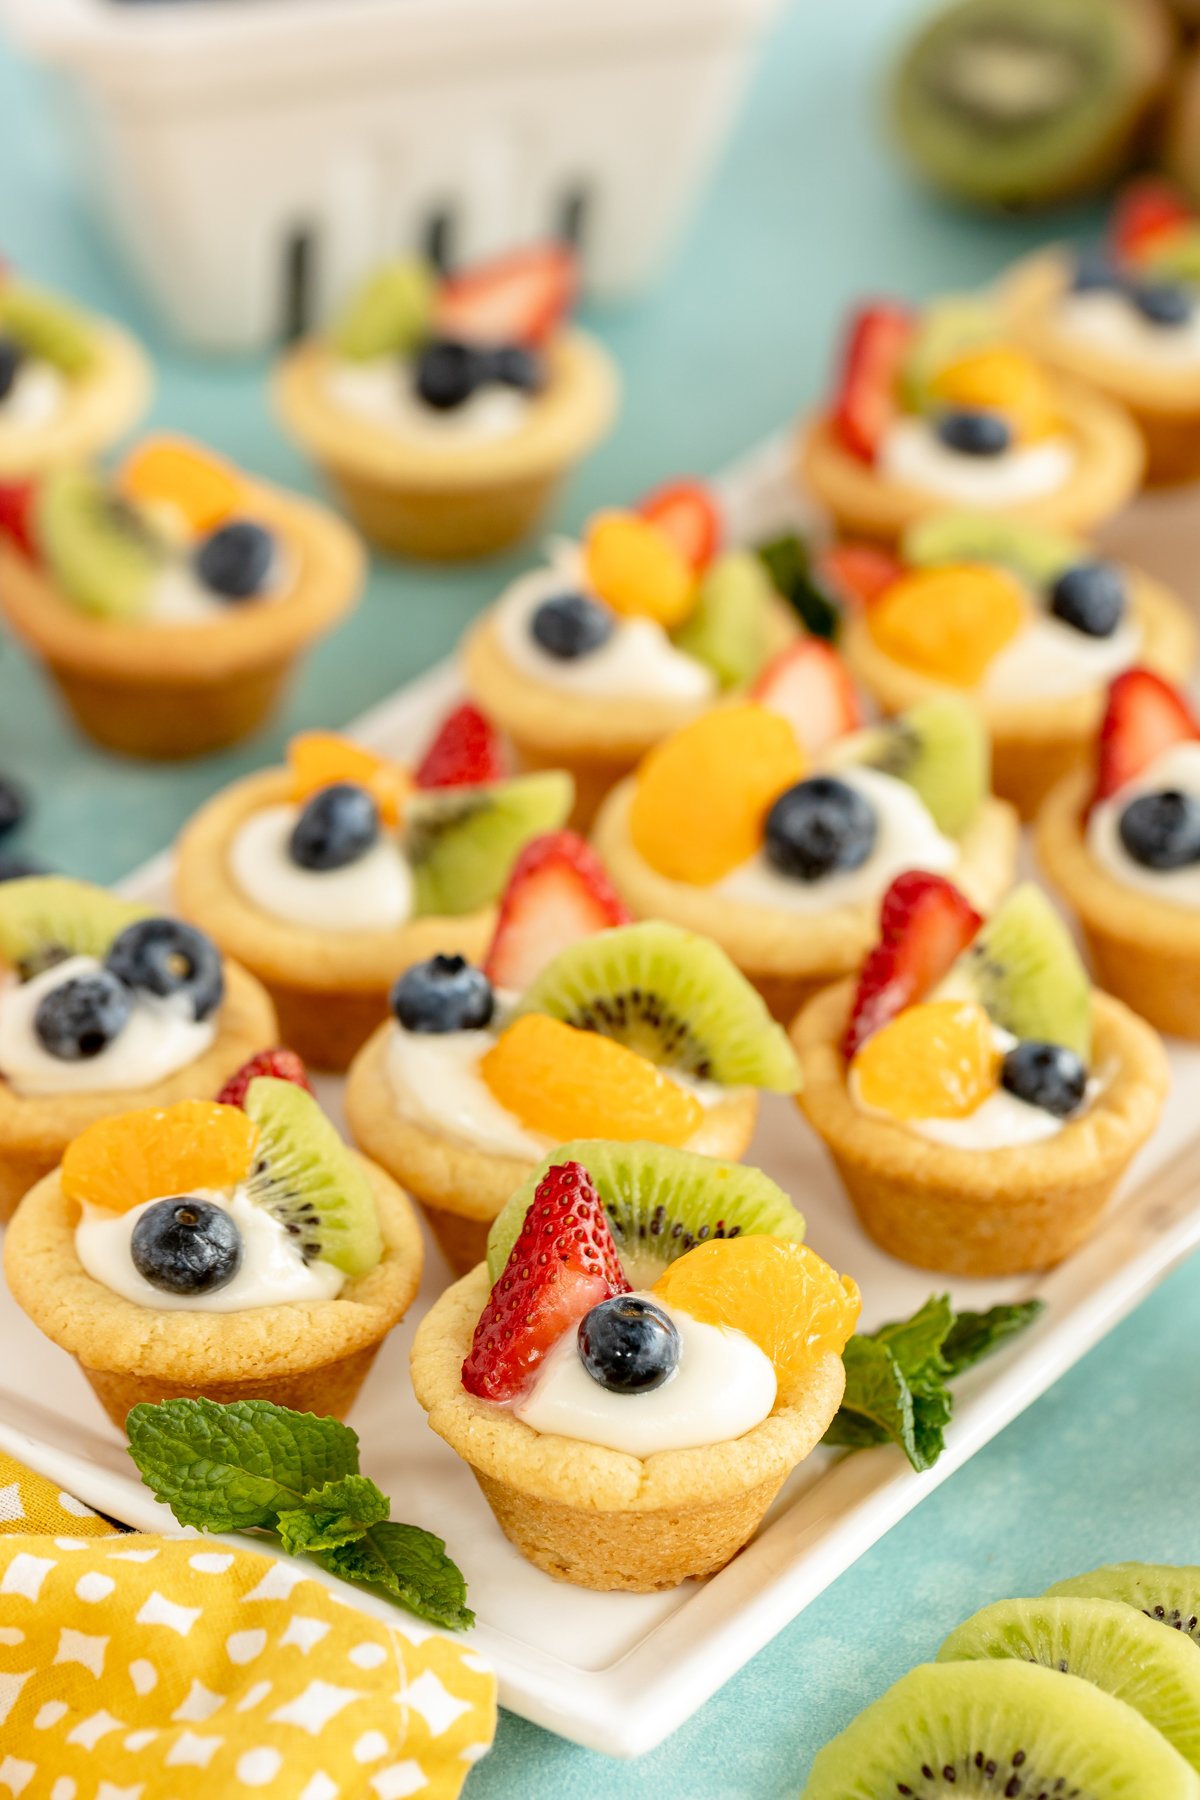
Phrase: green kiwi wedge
pixel 982 1730
pixel 1105 1642
pixel 938 747
pixel 1024 970
pixel 100 551
pixel 1038 556
pixel 672 996
pixel 389 314
pixel 729 628
pixel 1165 1593
pixel 46 918
pixel 946 329
pixel 47 327
pixel 660 1203
pixel 306 1177
pixel 461 842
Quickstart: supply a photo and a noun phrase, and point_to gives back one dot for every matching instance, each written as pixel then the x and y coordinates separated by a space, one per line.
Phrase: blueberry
pixel 1094 273
pixel 166 957
pixel 1091 597
pixel 628 1344
pixel 13 805
pixel 447 993
pixel 16 868
pixel 818 826
pixel 1045 1075
pixel 1162 831
pixel 339 824
pixel 973 432
pixel 571 625
pixel 447 374
pixel 186 1246
pixel 1165 303
pixel 11 358
pixel 235 560
pixel 514 366
pixel 79 1019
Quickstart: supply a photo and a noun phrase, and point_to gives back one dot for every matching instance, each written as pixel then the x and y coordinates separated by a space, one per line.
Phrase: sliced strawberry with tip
pixel 517 299
pixel 924 926
pixel 1145 715
pixel 557 893
pixel 283 1064
pixel 866 400
pixel 858 573
pixel 810 686
pixel 688 513
pixel 1146 214
pixel 466 752
pixel 16 516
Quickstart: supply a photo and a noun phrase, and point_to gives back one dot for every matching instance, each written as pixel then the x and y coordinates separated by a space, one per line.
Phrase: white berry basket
pixel 255 156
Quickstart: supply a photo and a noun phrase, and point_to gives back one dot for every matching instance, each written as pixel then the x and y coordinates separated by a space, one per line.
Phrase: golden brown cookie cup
pixel 1034 742
pixel 996 1212
pixel 595 1517
pixel 36 1129
pixel 310 1355
pixel 463 499
pixel 461 1189
pixel 102 404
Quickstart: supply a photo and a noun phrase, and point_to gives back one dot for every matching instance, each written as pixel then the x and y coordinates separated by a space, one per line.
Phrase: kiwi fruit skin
pixel 461 842
pixel 307 1179
pixel 675 998
pixel 388 314
pixel 660 1203
pixel 1053 1003
pixel 1168 1594
pixel 939 747
pixel 46 918
pixel 47 327
pixel 1036 555
pixel 100 551
pixel 729 628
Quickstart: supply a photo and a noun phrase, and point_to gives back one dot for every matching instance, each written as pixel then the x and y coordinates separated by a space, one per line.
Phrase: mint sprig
pixel 253 1466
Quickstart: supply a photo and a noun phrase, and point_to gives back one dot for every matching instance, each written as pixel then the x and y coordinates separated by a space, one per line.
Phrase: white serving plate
pixel 620 1672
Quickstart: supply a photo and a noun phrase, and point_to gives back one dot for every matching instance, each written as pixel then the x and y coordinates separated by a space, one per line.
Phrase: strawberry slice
pixel 16 516
pixel 466 752
pixel 1146 214
pixel 865 401
pixel 558 892
pixel 924 926
pixel 858 573
pixel 283 1064
pixel 687 512
pixel 1145 715
pixel 809 685
pixel 563 1263
pixel 517 299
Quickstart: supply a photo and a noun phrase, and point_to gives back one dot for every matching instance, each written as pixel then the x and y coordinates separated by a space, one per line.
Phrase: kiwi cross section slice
pixel 982 1730
pixel 47 327
pixel 660 1204
pixel 100 550
pixel 1167 1594
pixel 390 313
pixel 46 918
pixel 305 1176
pixel 729 627
pixel 1036 555
pixel 672 996
pixel 938 747
pixel 461 842
pixel 1024 970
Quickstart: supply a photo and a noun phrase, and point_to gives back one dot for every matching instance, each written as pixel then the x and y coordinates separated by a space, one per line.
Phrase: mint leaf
pixel 976 1335
pixel 332 1515
pixel 917 1343
pixel 877 1407
pixel 412 1566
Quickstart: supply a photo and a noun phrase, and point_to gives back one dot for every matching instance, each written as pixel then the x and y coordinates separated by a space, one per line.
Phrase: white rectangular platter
pixel 619 1672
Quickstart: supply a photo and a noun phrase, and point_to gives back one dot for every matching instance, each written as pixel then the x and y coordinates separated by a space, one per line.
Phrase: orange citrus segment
pixel 949 621
pixel 637 569
pixel 157 1152
pixel 937 1061
pixel 702 795
pixel 782 1295
pixel 317 759
pixel 1004 380
pixel 174 472
pixel 573 1084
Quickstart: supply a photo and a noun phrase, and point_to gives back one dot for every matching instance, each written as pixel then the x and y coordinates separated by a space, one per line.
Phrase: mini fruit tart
pixel 236 1252
pixel 591 660
pixel 71 384
pixel 579 1024
pixel 774 826
pixel 941 409
pixel 1030 624
pixel 104 1005
pixel 329 877
pixel 657 1352
pixel 172 601
pixel 980 1102
pixel 445 411
pixel 1121 843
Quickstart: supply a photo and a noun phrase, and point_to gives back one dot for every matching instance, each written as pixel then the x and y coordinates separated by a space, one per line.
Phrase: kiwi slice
pixel 389 314
pixel 729 627
pixel 100 550
pixel 1167 1594
pixel 46 918
pixel 660 1204
pixel 461 842
pixel 981 1730
pixel 1025 971
pixel 672 996
pixel 946 330
pixel 306 1177
pixel 1103 1641
pixel 1036 555
pixel 47 327
pixel 938 747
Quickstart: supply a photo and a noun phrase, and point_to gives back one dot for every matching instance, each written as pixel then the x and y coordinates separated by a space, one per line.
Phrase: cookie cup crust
pixel 788 956
pixel 996 1212
pixel 103 403
pixel 596 1517
pixel 310 1354
pixel 461 1189
pixel 35 1129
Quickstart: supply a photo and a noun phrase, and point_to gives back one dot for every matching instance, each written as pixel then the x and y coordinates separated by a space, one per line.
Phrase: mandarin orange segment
pixel 638 570
pixel 701 796
pixel 949 622
pixel 569 1083
pixel 1000 378
pixel 157 1152
pixel 174 472
pixel 317 759
pixel 936 1061
pixel 782 1295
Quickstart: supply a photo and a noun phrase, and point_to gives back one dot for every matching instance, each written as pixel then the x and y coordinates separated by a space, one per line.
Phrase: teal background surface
pixel 807 210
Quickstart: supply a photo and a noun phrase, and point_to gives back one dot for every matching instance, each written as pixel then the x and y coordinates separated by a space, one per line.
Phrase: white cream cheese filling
pixel 372 894
pixel 1179 769
pixel 381 389
pixel 914 455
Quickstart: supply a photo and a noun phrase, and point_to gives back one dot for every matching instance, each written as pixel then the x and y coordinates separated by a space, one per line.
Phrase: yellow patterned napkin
pixel 153 1668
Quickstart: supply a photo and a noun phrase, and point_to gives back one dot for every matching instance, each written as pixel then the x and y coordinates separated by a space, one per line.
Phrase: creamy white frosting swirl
pixel 1178 768
pixel 381 389
pixel 1108 320
pixel 372 894
pixel 913 454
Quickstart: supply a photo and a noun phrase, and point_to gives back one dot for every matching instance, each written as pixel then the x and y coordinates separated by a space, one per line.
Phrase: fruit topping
pixel 949 621
pixel 938 747
pixel 935 1060
pixel 186 1246
pixel 637 569
pixel 1148 213
pixel 522 298
pixel 1164 303
pixel 80 1018
pixel 1038 556
pixel 974 433
pixel 565 1083
pixel 628 1345
pixel 688 513
pixel 859 573
pixel 166 958
pixel 568 626
pixel 1045 1075
pixel 201 488
pixel 305 1177
pixel 44 919
pixel 1145 717
pixel 558 892
pixel 236 560
pixel 465 752
pixel 821 826
pixel 11 358
pixel 283 1064
pixel 122 1161
pixel 1024 969
pixel 946 331
pixel 810 686
pixel 446 374
pixel 729 625
pixel 445 993
pixel 336 828
pixel 319 759
pixel 867 399
pixel 18 505
pixel 99 550
pixel 997 381
pixel 516 366
pixel 1162 830
pixel 562 1263
pixel 924 924
pixel 461 842
pixel 1091 597
pixel 388 314
pixel 47 327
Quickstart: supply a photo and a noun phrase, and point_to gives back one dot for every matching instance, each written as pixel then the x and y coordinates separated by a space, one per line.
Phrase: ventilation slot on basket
pixel 439 240
pixel 572 217
pixel 299 272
